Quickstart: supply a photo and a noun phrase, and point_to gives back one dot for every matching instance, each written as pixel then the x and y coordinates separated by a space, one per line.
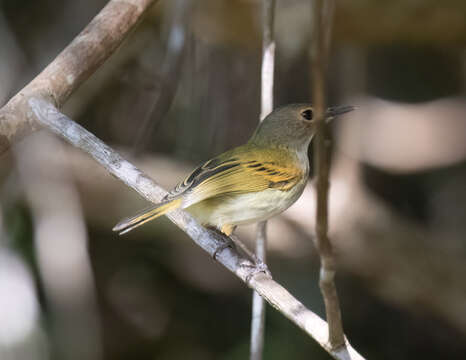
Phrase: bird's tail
pixel 146 215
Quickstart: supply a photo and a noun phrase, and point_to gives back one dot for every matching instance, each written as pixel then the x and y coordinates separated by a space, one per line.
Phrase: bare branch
pixel 267 73
pixel 72 66
pixel 322 15
pixel 49 116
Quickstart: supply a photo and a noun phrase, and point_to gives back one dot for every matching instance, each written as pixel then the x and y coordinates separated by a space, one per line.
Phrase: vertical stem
pixel 267 73
pixel 268 59
pixel 258 304
pixel 322 21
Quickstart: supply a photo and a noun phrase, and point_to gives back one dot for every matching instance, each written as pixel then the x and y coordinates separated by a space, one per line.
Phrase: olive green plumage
pixel 249 183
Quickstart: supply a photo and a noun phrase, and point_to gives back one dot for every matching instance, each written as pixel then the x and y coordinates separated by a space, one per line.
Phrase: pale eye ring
pixel 307 114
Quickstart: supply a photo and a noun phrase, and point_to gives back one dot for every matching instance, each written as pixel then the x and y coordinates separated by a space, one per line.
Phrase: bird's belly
pixel 244 208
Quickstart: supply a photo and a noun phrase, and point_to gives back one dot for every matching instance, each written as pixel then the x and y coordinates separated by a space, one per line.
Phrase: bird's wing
pixel 240 171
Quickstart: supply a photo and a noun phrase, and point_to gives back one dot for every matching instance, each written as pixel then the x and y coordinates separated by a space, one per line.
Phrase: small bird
pixel 250 183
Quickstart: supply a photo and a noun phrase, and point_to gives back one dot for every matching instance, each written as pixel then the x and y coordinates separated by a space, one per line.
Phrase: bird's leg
pixel 259 265
pixel 232 241
pixel 244 248
pixel 228 229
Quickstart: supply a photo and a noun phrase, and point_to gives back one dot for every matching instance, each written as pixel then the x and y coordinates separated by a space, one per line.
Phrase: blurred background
pixel 185 86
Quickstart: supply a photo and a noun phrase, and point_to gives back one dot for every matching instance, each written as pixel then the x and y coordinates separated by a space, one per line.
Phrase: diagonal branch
pixel 80 59
pixel 322 21
pixel 49 116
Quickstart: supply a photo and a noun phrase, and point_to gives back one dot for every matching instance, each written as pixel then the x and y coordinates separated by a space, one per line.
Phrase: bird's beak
pixel 338 110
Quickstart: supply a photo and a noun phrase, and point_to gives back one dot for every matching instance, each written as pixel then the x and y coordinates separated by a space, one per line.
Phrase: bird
pixel 249 183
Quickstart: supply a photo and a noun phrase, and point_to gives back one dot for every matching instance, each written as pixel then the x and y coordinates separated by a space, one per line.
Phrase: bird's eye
pixel 307 114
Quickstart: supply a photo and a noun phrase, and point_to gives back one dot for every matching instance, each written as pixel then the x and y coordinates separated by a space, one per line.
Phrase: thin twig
pixel 49 116
pixel 268 59
pixel 321 37
pixel 258 304
pixel 267 73
pixel 80 59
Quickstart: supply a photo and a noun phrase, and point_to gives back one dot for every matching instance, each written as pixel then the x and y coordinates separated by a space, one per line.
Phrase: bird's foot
pixel 258 266
pixel 254 265
pixel 223 242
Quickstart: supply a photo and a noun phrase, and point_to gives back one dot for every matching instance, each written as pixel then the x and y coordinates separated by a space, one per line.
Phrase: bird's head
pixel 292 126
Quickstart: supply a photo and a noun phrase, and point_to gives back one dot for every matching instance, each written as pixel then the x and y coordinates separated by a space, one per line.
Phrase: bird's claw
pixel 255 265
pixel 224 242
pixel 222 247
pixel 255 268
